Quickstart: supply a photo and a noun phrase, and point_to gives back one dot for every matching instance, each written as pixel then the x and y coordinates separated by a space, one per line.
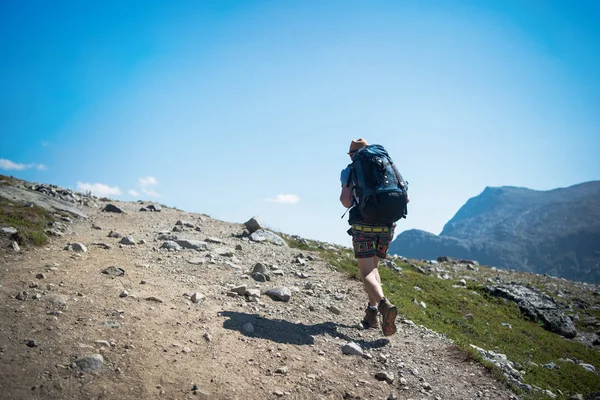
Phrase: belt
pixel 374 229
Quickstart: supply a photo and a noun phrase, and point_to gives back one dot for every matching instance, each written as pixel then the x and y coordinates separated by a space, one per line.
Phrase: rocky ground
pixel 137 321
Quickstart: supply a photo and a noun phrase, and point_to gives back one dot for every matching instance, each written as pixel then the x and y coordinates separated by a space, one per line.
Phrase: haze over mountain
pixel 555 232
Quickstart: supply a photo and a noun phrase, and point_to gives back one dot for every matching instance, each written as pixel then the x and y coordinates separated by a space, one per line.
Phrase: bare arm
pixel 346 196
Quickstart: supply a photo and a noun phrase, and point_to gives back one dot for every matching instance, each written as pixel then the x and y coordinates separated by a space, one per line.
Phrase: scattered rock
pixel 248 328
pixel 8 231
pixel 76 247
pixel 253 224
pixel 15 247
pixel 385 376
pixel 114 234
pixel 334 310
pixel 241 290
pixel 262 235
pixel 154 299
pixel 127 241
pixel 197 297
pixel 112 208
pixel 192 244
pixel 280 293
pixel 124 293
pixel 538 306
pixel 89 363
pixel 352 349
pixel 170 245
pixel 113 271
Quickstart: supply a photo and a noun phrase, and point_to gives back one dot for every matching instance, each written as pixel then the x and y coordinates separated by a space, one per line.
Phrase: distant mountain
pixel 555 232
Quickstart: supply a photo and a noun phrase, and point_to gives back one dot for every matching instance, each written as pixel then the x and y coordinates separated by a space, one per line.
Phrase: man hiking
pixel 375 190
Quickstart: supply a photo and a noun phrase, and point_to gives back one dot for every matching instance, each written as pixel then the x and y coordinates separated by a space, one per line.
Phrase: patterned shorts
pixel 370 241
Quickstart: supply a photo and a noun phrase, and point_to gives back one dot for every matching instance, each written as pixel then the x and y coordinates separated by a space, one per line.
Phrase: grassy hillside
pixel 468 315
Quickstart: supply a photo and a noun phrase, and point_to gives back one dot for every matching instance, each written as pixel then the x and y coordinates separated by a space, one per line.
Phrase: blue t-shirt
pixel 345 175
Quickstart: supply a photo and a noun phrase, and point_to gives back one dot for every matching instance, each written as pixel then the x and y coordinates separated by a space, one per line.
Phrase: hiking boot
pixel 371 321
pixel 389 312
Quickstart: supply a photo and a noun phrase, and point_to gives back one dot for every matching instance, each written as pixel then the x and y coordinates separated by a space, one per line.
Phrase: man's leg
pixel 371 279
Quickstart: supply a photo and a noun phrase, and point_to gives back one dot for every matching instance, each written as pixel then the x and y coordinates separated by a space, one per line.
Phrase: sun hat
pixel 357 145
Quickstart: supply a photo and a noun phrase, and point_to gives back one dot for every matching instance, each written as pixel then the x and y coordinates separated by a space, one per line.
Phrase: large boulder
pixel 253 224
pixel 537 306
pixel 263 235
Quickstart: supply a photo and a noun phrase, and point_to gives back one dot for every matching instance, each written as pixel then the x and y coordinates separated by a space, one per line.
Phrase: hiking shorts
pixel 370 241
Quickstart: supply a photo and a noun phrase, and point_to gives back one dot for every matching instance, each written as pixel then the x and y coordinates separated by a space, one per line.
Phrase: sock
pixel 373 308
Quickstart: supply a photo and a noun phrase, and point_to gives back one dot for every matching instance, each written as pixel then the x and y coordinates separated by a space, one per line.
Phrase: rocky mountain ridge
pixel 554 232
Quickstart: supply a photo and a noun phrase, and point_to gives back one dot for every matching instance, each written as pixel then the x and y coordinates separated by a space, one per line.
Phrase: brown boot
pixel 371 321
pixel 389 312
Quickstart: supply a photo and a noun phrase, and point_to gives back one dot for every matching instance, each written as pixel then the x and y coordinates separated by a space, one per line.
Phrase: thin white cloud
pixel 41 167
pixel 285 199
pixel 148 181
pixel 145 184
pixel 45 143
pixel 99 189
pixel 150 192
pixel 10 165
pixel 133 193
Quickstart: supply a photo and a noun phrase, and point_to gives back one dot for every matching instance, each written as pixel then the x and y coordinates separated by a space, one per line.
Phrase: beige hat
pixel 357 145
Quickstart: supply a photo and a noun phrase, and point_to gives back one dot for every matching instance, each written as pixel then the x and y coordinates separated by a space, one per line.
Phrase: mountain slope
pixel 554 232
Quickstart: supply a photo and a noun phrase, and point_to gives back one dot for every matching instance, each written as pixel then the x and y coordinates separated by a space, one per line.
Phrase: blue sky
pixel 243 108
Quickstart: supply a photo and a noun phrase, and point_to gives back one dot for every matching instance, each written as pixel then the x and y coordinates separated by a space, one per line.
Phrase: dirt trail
pixel 157 343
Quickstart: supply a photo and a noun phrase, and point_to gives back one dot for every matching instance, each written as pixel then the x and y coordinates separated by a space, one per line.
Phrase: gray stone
pixel 124 293
pixel 166 236
pixel 114 234
pixel 260 267
pixel 214 240
pixel 262 235
pixel 127 240
pixel 154 207
pixel 8 231
pixel 112 324
pixel 76 247
pixel 241 290
pixel 15 246
pixel 280 293
pixel 192 244
pixel 253 224
pixel 198 297
pixel 588 367
pixel 334 310
pixel 112 208
pixel 170 245
pixel 89 363
pixel 385 376
pixel 56 300
pixel 259 277
pixel 538 306
pixel 252 293
pixel 154 299
pixel 352 349
pixel 113 271
pixel 248 328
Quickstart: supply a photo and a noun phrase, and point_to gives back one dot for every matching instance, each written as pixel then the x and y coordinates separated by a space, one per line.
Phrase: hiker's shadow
pixel 282 331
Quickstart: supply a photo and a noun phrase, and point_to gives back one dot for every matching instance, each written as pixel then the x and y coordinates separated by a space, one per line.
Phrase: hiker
pixel 376 195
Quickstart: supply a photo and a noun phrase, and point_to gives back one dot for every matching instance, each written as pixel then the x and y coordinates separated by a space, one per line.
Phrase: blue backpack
pixel 380 188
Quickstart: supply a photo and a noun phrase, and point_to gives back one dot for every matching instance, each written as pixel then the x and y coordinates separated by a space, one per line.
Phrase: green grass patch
pixel 30 222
